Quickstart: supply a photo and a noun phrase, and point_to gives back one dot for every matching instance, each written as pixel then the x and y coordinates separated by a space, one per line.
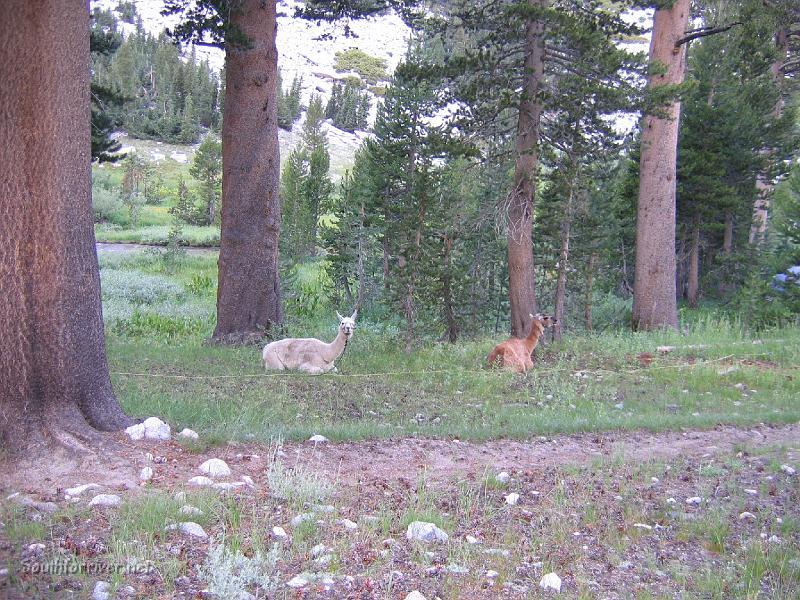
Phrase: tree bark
pixel 521 284
pixel 693 280
pixel 654 303
pixel 447 292
pixel 53 369
pixel 561 280
pixel 248 296
pixel 588 289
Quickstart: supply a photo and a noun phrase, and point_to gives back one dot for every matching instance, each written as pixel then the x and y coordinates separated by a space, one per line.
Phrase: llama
pixel 515 353
pixel 309 354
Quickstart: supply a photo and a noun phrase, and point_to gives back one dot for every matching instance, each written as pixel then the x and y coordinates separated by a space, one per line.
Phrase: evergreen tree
pixel 207 169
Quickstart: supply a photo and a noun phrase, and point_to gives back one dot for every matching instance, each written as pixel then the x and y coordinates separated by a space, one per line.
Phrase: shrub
pixel 139 288
pixel 311 288
pixel 371 68
pixel 609 311
pixel 149 324
pixel 229 573
pixel 298 486
pixel 108 206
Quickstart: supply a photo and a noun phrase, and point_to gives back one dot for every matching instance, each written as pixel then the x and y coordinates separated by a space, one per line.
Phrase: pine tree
pixel 207 169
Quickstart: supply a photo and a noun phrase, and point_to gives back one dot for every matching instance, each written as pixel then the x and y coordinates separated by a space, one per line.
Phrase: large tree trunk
pixel 53 370
pixel 693 282
pixel 248 297
pixel 654 303
pixel 521 284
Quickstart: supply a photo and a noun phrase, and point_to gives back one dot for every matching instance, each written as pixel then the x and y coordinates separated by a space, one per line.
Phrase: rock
pixel 665 349
pixel 3 572
pixel 643 526
pixel 457 569
pixel 318 439
pixel 671 501
pixel 728 370
pixel 279 532
pixel 471 539
pixel 297 582
pixel 190 511
pixel 512 499
pixel 79 489
pixel 200 480
pixel 502 477
pixel 788 470
pixel 188 434
pixel 146 474
pixel 551 581
pixel 747 516
pixel 31 503
pixel 101 591
pixel 491 574
pixel 497 552
pixel 106 500
pixel 318 550
pixel 180 496
pixel 415 595
pixel 136 432
pixel 214 467
pixel 425 532
pixel 741 387
pixel 156 429
pixel 774 539
pixel 324 508
pixel 37 548
pixel 189 528
pixel 348 524
pixel 227 486
pixel 751 492
pixel 296 521
pixel 619 405
pixel 625 565
pixel 248 481
pixel 694 500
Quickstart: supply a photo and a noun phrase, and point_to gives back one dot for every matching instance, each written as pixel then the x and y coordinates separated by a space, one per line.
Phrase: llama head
pixel 347 324
pixel 545 320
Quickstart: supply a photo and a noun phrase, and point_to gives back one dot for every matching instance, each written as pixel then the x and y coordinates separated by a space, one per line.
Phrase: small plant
pixel 230 574
pixel 371 68
pixel 299 485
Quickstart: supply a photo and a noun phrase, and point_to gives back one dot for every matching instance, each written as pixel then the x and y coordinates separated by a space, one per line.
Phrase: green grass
pixel 162 365
pixel 191 235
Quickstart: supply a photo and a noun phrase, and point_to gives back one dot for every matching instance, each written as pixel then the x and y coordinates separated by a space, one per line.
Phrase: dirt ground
pixel 582 498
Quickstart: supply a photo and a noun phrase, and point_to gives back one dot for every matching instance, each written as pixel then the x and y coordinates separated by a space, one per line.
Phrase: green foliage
pixel 107 204
pixel 289 107
pixel 348 106
pixel 311 289
pixel 139 288
pixel 230 573
pixel 371 68
pixel 207 169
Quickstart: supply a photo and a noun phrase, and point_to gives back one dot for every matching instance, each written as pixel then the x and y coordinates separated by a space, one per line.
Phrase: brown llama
pixel 515 353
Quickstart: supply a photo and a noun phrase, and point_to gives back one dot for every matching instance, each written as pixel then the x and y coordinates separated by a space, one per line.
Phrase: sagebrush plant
pixel 371 68
pixel 233 576
pixel 298 485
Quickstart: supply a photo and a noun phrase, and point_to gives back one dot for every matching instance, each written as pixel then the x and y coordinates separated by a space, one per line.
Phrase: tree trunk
pixel 248 297
pixel 693 282
pixel 561 280
pixel 727 238
pixel 761 205
pixel 654 303
pixel 447 292
pixel 521 283
pixel 53 369
pixel 588 289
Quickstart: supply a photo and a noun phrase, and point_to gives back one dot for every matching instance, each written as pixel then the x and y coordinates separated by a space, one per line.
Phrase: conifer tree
pixel 207 169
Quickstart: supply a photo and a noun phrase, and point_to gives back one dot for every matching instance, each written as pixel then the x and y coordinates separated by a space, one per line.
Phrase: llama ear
pixel 355 314
pixel 341 318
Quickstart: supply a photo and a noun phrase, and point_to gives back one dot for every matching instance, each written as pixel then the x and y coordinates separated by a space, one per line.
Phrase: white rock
pixel 774 539
pixel 279 532
pixel 324 508
pixel 318 439
pixel 187 433
pixel 227 486
pixel 297 582
pixel 135 432
pixel 665 349
pixel 180 496
pixel 146 474
pixel 747 516
pixel 415 595
pixel 490 574
pixel 502 477
pixel 425 532
pixel 512 499
pixel 79 489
pixel 36 548
pixel 497 552
pixel 105 500
pixel 728 370
pixel 694 500
pixel 189 528
pixel 788 470
pixel 643 526
pixel 189 510
pixel 318 550
pixel 619 405
pixel 296 521
pixel 3 572
pixel 200 480
pixel 751 492
pixel 671 501
pixel 248 481
pixel 156 429
pixel 214 467
pixel 101 591
pixel 348 524
pixel 457 569
pixel 551 581
pixel 654 480
pixel 471 539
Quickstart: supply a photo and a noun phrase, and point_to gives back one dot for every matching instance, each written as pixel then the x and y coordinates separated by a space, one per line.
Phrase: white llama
pixel 309 354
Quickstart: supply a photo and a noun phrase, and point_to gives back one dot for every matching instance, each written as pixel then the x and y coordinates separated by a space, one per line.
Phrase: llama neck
pixel 533 337
pixel 336 347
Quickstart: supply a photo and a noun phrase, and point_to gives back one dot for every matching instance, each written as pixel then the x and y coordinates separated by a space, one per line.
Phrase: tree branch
pixel 705 31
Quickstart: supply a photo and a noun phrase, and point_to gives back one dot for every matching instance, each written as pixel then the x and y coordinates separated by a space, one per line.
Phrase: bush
pixel 108 207
pixel 311 288
pixel 371 68
pixel 609 311
pixel 139 288
pixel 230 573
pixel 149 324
